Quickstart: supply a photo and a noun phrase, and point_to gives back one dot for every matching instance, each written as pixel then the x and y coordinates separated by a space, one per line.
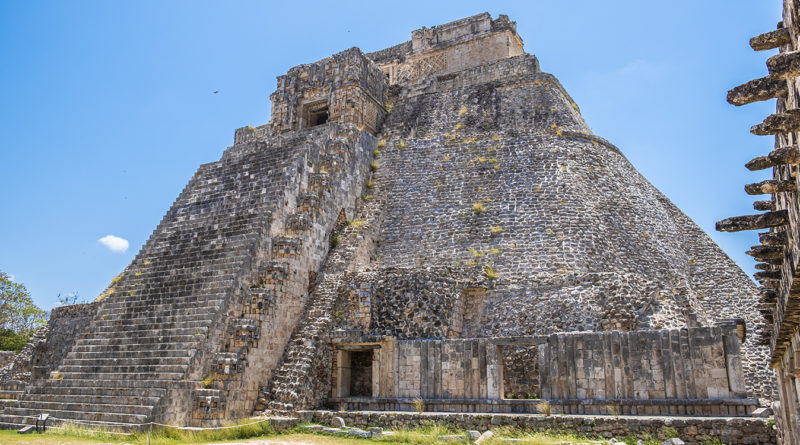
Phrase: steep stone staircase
pixel 296 383
pixel 150 333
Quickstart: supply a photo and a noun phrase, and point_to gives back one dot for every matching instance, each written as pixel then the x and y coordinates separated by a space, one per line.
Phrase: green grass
pixel 263 433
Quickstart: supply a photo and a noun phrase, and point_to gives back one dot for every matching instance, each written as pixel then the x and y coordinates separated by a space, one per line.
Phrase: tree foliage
pixel 19 317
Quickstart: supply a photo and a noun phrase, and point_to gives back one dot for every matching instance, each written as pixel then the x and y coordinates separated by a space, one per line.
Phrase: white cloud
pixel 10 277
pixel 114 243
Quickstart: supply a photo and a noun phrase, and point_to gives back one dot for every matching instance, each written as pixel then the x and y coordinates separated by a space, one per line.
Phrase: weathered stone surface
pixel 770 186
pixel 770 40
pixel 785 65
pixel 764 205
pixel 692 430
pixel 778 123
pixel 757 90
pixel 772 238
pixel 753 222
pixel 783 155
pixel 766 252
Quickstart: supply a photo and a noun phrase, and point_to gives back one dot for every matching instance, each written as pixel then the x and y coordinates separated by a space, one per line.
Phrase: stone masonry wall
pixel 691 430
pixel 694 371
pixel 494 168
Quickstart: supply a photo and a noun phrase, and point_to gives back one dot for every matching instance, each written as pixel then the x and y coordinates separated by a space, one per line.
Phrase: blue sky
pixel 107 107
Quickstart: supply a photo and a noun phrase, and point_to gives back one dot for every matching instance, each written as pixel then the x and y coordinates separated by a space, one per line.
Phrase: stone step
pixel 14 422
pixel 194 321
pixel 127 331
pixel 141 340
pixel 95 391
pixel 122 375
pixel 6 394
pixel 46 406
pixel 134 369
pixel 95 399
pixel 136 316
pixel 134 347
pixel 89 416
pixel 108 354
pixel 149 308
pixel 105 383
pixel 124 361
pixel 143 297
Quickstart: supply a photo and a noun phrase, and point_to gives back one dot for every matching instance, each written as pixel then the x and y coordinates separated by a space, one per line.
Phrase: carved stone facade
pixel 344 88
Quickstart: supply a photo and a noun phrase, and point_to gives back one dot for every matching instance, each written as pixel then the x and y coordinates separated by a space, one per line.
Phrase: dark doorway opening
pixel 317 116
pixel 361 373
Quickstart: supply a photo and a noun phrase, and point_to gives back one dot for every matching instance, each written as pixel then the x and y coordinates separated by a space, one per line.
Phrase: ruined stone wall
pixel 691 430
pixel 405 303
pixel 6 357
pixel 50 344
pixel 450 47
pixel 349 86
pixel 65 326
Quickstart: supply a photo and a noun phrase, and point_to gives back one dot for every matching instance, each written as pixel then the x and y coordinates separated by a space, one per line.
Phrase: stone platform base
pixel 692 430
pixel 653 407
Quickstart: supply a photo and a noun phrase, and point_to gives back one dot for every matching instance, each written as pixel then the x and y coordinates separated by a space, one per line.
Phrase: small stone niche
pixel 520 372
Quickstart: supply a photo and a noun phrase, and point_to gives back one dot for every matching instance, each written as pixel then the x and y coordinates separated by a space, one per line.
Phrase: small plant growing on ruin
pixel 381 144
pixel 389 108
pixel 670 432
pixel 478 208
pixel 57 376
pixel 496 138
pixel 146 262
pixel 459 126
pixel 376 152
pixel 496 230
pixel 370 184
pixel 462 111
pixel 419 405
pixel 544 408
pixel 402 144
pixel 356 223
pixel 116 279
pixel 250 127
pixel 335 240
pixel 367 198
pixel 491 273
pixel 612 410
pixel 494 251
pixel 374 166
pixel 693 262
pixel 493 161
pixel 105 317
pixel 100 297
pixel 137 274
pixel 477 254
pixel 208 382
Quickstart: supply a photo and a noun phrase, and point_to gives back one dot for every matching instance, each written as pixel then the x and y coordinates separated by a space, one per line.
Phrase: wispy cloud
pixel 114 243
pixel 643 67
